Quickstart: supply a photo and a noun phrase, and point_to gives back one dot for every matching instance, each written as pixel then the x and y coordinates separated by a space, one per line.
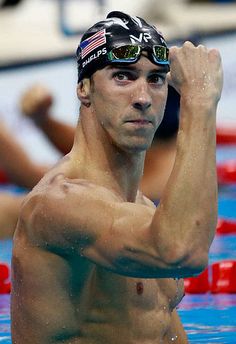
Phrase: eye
pixel 123 76
pixel 157 79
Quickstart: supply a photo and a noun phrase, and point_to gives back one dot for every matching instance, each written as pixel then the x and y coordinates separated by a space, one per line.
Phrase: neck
pixel 104 163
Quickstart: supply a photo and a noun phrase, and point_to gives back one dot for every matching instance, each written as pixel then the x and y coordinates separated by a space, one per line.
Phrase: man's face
pixel 129 102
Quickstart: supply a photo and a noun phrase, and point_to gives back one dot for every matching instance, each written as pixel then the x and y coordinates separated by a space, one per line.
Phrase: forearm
pixel 36 104
pixel 23 172
pixel 60 134
pixel 186 217
pixel 28 175
pixel 15 162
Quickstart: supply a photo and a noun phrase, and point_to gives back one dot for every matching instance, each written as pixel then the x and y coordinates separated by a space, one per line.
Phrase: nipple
pixel 139 288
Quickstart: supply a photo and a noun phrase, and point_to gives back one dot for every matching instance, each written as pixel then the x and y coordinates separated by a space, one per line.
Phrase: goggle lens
pixel 161 53
pixel 129 53
pixel 125 52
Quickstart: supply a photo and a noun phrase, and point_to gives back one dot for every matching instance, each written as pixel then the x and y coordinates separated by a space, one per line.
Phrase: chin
pixel 135 147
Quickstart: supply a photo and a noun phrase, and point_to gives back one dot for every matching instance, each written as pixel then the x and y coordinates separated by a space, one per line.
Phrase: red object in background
pixel 3 177
pixel 226 227
pixel 4 272
pixel 226 135
pixel 224 277
pixel 198 284
pixel 226 172
pixel 5 288
pixel 5 285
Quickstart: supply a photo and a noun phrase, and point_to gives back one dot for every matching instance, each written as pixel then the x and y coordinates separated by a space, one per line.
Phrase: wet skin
pixel 59 296
pixel 85 266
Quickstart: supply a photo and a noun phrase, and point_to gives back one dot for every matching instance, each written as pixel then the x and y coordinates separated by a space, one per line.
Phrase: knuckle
pixel 188 44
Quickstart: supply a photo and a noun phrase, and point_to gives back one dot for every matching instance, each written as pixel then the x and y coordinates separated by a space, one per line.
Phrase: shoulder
pixel 57 199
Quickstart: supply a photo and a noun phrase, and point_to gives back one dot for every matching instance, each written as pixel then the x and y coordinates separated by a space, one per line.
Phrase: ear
pixel 83 91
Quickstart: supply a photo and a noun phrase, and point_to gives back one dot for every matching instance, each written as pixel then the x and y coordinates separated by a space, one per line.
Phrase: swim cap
pixel 116 30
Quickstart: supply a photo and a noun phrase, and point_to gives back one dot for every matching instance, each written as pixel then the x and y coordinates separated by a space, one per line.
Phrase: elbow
pixel 187 261
pixel 195 263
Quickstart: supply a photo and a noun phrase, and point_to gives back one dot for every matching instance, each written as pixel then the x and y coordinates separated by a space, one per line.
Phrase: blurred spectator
pixel 15 162
pixel 36 104
pixel 9 210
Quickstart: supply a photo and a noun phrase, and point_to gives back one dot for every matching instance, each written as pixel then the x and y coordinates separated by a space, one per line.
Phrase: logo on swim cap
pixel 118 29
pixel 92 43
pixel 142 37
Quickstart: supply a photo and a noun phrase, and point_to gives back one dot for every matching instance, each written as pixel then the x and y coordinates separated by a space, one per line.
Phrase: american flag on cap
pixel 92 42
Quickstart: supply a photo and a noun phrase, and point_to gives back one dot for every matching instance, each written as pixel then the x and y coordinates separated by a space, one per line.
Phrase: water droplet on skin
pixel 174 338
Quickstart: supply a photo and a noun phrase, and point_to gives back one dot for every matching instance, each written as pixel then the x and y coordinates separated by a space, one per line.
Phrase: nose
pixel 141 99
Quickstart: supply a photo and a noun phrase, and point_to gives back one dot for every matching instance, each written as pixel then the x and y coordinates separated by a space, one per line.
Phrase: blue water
pixel 209 318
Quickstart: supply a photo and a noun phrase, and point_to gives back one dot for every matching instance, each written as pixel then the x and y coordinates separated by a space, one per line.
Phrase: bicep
pixel 90 222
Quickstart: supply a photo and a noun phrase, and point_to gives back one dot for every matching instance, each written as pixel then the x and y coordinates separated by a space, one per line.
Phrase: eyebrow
pixel 160 69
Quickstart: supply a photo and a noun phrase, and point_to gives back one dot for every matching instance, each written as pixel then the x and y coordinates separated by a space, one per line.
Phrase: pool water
pixel 209 318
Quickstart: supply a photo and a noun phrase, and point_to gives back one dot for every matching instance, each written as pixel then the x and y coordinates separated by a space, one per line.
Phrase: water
pixel 5 319
pixel 209 318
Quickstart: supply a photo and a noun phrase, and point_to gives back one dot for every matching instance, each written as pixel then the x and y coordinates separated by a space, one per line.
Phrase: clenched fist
pixel 196 72
pixel 36 102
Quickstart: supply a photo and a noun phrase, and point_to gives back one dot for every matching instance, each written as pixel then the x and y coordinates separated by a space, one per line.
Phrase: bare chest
pixel 155 293
pixel 142 306
pixel 127 294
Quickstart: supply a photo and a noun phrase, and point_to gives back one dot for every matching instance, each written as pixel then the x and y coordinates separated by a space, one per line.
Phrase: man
pixel 94 261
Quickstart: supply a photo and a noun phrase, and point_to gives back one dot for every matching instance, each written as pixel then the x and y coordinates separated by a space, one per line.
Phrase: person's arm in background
pixel 16 163
pixel 9 211
pixel 36 104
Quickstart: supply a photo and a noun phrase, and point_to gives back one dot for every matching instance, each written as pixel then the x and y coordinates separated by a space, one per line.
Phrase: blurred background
pixel 38 40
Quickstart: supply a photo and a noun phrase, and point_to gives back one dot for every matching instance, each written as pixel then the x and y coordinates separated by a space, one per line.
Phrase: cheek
pixel 109 101
pixel 106 108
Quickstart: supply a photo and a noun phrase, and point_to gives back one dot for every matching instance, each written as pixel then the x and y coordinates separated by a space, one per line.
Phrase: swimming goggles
pixel 130 53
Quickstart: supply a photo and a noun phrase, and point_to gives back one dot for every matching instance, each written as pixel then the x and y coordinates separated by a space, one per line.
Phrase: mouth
pixel 140 122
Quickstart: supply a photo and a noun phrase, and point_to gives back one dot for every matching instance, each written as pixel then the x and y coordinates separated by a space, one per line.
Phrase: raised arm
pixel 188 209
pixel 75 217
pixel 36 104
pixel 16 163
